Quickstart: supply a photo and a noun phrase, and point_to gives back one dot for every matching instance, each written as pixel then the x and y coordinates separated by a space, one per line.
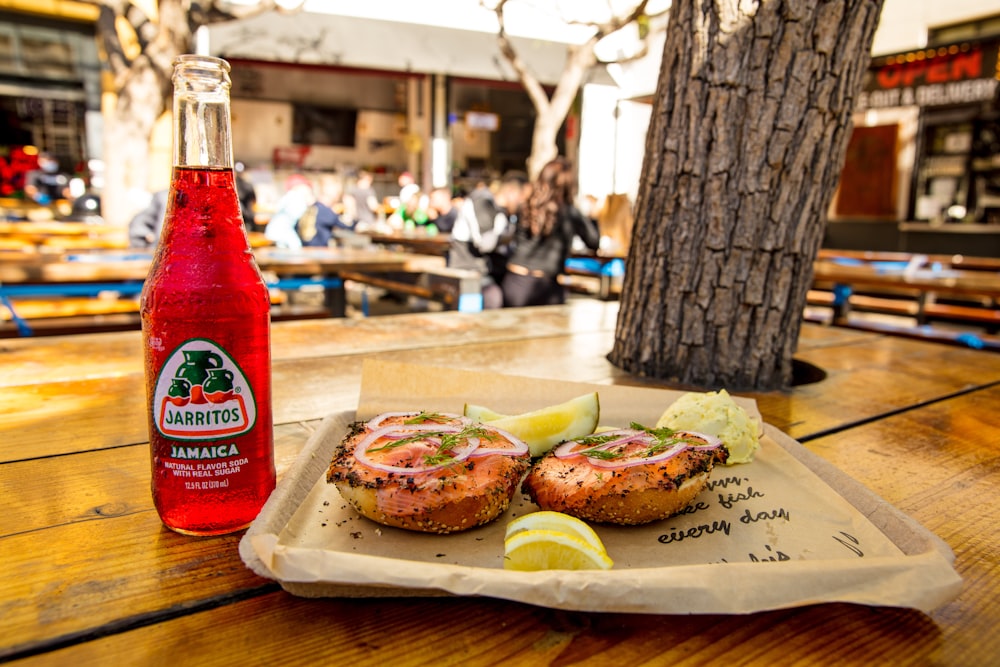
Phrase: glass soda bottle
pixel 206 327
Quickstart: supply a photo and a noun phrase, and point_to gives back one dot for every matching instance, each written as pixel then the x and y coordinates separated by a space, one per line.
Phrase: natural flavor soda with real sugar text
pixel 206 329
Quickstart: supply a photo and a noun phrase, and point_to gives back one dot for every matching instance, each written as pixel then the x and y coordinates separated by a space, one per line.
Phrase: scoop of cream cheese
pixel 716 413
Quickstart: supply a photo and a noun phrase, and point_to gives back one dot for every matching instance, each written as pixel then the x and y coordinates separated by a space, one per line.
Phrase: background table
pixel 46 279
pixel 90 576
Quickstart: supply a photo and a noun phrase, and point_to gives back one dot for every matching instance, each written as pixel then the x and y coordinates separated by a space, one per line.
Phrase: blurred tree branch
pixel 552 110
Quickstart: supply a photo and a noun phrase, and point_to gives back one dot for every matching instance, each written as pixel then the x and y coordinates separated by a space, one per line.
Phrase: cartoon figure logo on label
pixel 202 394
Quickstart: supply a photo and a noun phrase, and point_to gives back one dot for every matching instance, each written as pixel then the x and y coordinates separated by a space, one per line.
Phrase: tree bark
pixel 141 69
pixel 750 123
pixel 144 91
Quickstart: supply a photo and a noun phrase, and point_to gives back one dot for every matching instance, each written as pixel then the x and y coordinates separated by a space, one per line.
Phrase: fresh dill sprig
pixel 603 454
pixel 425 417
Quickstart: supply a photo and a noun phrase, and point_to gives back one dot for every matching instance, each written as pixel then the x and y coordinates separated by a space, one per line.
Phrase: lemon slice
pixel 544 429
pixel 531 550
pixel 558 522
pixel 481 413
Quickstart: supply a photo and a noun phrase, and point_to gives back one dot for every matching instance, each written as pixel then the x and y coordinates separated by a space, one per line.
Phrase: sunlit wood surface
pixel 90 577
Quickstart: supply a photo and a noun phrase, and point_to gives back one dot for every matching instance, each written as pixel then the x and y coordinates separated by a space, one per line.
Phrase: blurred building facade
pixel 318 91
pixel 50 87
pixel 325 92
pixel 922 172
pixel 311 91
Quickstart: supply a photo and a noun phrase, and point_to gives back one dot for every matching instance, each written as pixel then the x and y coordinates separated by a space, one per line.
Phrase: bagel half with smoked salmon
pixel 628 476
pixel 428 472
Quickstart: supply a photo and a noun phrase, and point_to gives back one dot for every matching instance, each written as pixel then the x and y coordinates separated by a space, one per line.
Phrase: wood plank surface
pixel 900 458
pixel 954 261
pixel 491 632
pixel 62 417
pixel 43 493
pixel 29 360
pixel 941 465
pixel 68 416
pixel 97 572
pixel 103 497
pixel 86 512
pixel 89 567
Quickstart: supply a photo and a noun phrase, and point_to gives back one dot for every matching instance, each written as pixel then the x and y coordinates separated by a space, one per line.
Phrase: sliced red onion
pixel 374 422
pixel 460 453
pixel 711 442
pixel 566 449
pixel 519 447
pixel 628 436
pixel 624 462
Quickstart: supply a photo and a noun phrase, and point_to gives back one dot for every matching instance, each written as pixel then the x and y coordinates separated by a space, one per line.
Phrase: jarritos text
pixel 202 394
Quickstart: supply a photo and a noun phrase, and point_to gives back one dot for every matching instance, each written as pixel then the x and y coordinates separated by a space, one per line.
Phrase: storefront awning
pixel 321 39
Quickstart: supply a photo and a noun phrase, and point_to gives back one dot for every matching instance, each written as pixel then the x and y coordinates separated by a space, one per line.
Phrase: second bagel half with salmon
pixel 626 476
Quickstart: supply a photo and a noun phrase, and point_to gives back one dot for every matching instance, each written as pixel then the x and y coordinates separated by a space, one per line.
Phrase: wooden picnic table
pixel 134 265
pixel 59 236
pixel 46 287
pixel 979 288
pixel 941 282
pixel 91 577
pixel 418 241
pixel 954 261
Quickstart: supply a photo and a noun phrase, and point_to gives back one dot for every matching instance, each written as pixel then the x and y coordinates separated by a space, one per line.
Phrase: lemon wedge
pixel 543 429
pixel 481 413
pixel 531 550
pixel 557 522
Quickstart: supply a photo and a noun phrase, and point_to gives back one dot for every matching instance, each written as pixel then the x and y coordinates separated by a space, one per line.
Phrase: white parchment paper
pixel 787 529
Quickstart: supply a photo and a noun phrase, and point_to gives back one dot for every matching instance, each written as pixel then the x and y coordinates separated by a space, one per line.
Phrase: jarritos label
pixel 202 394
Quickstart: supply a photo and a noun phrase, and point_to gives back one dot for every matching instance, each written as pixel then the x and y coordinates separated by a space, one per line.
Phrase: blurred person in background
pixel 247 196
pixel 47 183
pixel 361 202
pixel 412 211
pixel 482 231
pixel 282 227
pixel 544 237
pixel 405 179
pixel 443 210
pixel 316 227
pixel 144 229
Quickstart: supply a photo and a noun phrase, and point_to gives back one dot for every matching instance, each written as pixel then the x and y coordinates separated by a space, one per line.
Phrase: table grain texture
pixel 90 576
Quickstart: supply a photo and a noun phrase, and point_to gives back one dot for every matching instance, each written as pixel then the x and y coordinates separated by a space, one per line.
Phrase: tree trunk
pixel 749 128
pixel 553 111
pixel 126 144
pixel 143 92
pixel 543 140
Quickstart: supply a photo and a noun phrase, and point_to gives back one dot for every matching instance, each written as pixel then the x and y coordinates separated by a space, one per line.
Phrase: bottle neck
pixel 202 133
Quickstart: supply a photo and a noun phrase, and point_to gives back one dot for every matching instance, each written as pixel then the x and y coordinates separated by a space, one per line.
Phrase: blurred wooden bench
pixel 927 288
pixel 972 339
pixel 964 262
pixel 608 271
pixel 456 289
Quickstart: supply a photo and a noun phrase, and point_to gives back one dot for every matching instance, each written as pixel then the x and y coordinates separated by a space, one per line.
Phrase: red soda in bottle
pixel 206 328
